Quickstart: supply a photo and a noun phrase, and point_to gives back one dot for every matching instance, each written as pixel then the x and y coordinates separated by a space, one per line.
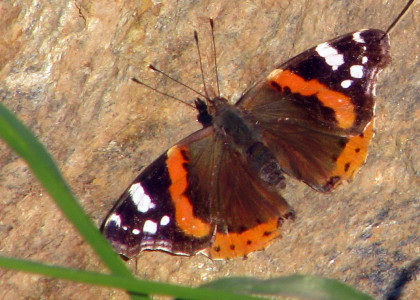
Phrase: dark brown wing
pixel 200 196
pixel 227 191
pixel 146 216
pixel 315 111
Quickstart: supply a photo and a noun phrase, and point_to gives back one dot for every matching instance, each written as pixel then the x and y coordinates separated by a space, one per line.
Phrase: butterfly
pixel 217 192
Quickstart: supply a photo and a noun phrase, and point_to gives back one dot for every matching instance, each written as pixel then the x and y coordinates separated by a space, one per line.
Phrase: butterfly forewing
pixel 200 196
pixel 315 111
pixel 144 218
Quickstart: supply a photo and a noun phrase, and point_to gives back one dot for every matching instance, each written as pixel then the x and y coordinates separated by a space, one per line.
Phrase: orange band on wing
pixel 184 214
pixel 354 153
pixel 340 103
pixel 231 245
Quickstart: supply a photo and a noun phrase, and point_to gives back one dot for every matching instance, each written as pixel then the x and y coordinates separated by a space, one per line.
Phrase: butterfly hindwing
pixel 238 190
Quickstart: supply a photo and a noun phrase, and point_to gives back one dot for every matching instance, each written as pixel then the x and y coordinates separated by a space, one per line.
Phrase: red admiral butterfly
pixel 216 192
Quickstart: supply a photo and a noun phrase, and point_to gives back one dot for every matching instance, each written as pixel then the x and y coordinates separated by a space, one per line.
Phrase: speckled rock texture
pixel 65 69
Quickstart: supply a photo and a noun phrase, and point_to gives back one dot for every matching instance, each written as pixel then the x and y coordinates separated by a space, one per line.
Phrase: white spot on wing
pixel 325 50
pixel 358 38
pixel 116 219
pixel 135 231
pixel 356 71
pixel 364 59
pixel 346 83
pixel 150 227
pixel 140 198
pixel 331 55
pixel 165 220
pixel 335 61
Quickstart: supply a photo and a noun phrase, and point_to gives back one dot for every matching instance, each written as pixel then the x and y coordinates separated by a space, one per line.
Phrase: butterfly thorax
pixel 242 138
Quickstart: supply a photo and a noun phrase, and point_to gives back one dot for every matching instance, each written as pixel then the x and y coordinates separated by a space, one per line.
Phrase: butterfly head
pixel 207 111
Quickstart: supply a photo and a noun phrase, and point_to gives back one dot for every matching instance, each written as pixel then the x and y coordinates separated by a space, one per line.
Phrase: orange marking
pixel 340 103
pixel 184 214
pixel 231 245
pixel 354 154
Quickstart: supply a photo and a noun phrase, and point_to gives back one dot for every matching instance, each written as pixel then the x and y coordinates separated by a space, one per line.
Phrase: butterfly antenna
pixel 201 66
pixel 177 81
pixel 398 18
pixel 163 93
pixel 215 56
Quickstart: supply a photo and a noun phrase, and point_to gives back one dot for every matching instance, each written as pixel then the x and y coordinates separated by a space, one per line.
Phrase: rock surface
pixel 65 69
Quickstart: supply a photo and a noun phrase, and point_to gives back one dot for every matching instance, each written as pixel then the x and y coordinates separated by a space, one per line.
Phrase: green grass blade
pixel 24 143
pixel 301 286
pixel 129 284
